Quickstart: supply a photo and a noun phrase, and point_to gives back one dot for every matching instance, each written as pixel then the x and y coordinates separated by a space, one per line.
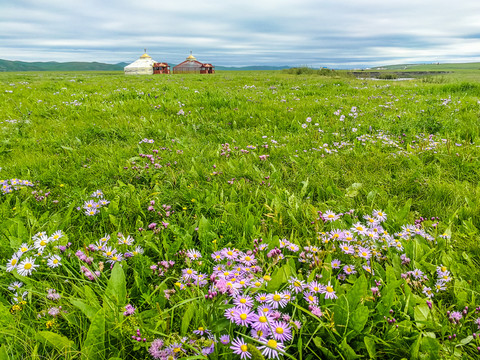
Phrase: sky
pixel 316 33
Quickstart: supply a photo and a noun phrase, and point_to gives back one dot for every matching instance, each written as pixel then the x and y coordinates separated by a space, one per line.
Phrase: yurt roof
pixel 144 61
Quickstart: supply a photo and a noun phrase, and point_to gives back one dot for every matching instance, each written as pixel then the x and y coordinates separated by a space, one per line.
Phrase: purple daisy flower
pixel 242 316
pixel 262 320
pixel 336 264
pixel 243 300
pixel 276 300
pixel 296 285
pixel 281 331
pixel 329 292
pixel 271 348
pixel 225 339
pixel 239 347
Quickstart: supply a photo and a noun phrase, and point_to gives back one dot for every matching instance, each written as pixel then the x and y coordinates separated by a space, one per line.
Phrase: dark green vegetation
pixel 241 156
pixel 7 65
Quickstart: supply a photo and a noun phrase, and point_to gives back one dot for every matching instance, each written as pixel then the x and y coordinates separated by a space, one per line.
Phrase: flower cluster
pixel 93 207
pixel 23 261
pixel 8 186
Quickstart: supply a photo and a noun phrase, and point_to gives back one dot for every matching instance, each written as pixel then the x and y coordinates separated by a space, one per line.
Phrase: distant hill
pixel 246 68
pixel 7 65
pixel 431 67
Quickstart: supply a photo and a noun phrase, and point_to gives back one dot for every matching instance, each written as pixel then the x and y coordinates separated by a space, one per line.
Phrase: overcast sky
pixel 333 33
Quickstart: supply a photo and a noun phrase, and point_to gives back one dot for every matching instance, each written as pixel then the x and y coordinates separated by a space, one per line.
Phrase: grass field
pixel 244 214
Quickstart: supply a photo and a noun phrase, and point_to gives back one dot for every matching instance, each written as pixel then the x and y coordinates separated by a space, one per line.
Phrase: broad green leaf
pixel 415 348
pixel 59 342
pixel 347 350
pixel 466 340
pixel 116 289
pixel 326 353
pixel 357 292
pixel 91 297
pixel 370 345
pixel 353 190
pixel 187 318
pixel 3 353
pixel 431 347
pixel 279 277
pixel 94 344
pixel 421 313
pixel 86 308
pixel 359 319
pixel 341 314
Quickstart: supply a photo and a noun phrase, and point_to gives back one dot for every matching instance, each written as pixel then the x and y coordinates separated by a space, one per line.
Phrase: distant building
pixel 192 66
pixel 142 66
pixel 161 68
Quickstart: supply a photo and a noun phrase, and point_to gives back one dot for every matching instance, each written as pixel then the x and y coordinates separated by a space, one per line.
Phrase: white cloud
pixel 231 32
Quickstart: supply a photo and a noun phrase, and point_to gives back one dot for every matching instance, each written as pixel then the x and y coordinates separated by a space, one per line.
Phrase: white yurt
pixel 142 66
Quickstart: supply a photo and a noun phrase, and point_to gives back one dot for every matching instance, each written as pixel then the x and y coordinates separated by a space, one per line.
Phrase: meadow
pixel 243 215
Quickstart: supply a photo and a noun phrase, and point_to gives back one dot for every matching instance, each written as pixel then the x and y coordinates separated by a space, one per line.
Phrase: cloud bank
pixel 251 32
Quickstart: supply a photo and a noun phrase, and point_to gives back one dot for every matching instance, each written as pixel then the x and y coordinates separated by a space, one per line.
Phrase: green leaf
pixel 357 292
pixel 431 346
pixel 347 350
pixel 94 344
pixel 326 353
pixel 359 319
pixel 116 289
pixel 370 345
pixel 187 318
pixel 415 348
pixel 421 313
pixel 341 314
pixel 353 190
pixel 3 353
pixel 86 308
pixel 279 277
pixel 59 342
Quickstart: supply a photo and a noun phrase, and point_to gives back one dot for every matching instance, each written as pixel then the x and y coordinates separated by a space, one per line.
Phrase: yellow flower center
pixel 329 289
pixel 109 253
pixel 310 297
pixel 262 319
pixel 229 253
pixel 43 243
pixel 189 271
pixel 23 249
pixel 13 262
pixel 248 258
pixel 28 266
pixel 243 348
pixel 201 328
pixel 279 330
pixel 243 301
pixel 243 316
pixel 297 284
pixel 265 310
pixel 258 284
pixel 277 297
pixel 55 261
pixel 267 278
pixel 272 343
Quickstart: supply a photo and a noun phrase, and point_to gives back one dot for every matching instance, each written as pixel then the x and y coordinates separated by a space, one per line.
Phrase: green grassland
pixel 237 157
